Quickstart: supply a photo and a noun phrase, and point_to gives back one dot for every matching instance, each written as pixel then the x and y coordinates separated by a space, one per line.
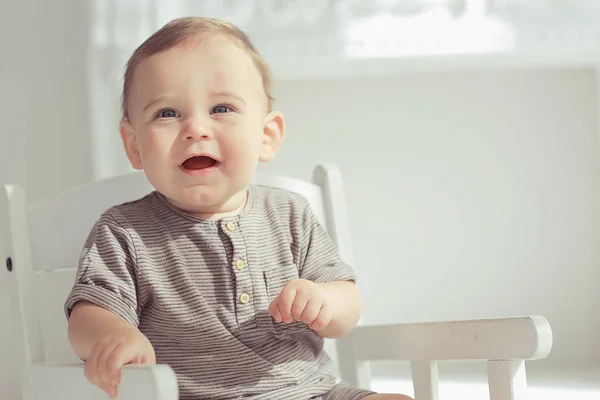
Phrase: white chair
pixel 42 243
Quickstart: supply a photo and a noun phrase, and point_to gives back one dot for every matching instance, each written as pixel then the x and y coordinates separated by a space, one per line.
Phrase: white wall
pixel 471 194
pixel 44 138
pixel 44 133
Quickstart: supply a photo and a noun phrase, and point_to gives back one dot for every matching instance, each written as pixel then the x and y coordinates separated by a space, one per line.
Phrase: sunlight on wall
pixel 435 32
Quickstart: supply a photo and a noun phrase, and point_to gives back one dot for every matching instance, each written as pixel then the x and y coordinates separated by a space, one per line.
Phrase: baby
pixel 231 284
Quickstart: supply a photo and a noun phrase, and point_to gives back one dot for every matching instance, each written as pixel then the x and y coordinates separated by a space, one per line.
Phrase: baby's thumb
pixel 128 355
pixel 146 359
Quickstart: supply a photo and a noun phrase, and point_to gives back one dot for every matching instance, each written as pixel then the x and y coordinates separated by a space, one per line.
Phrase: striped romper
pixel 200 289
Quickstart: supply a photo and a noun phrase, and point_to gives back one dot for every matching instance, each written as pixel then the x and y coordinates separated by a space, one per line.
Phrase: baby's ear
pixel 130 144
pixel 273 134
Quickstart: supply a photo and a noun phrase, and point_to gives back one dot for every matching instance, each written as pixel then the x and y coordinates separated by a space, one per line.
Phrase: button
pixel 239 264
pixel 230 226
pixel 244 298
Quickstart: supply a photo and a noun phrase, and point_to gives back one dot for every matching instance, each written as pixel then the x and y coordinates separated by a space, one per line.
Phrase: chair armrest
pixel 138 382
pixel 520 338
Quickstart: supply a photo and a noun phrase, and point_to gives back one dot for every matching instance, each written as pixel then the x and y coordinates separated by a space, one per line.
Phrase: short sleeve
pixel 320 259
pixel 106 274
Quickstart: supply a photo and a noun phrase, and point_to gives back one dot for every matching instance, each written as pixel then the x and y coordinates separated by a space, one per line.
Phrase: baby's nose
pixel 197 131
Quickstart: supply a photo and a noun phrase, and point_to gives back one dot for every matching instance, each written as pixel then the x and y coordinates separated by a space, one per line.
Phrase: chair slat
pixel 507 380
pixel 425 380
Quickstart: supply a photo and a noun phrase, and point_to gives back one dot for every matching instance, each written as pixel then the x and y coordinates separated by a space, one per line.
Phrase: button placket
pixel 243 291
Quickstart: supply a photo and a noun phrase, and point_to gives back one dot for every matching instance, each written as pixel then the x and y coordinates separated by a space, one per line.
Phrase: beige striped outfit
pixel 200 289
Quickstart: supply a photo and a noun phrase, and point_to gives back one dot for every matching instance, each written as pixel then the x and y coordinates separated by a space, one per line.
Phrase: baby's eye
pixel 168 113
pixel 220 109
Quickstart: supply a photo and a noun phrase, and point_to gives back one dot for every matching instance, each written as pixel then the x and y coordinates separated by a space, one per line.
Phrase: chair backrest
pixel 44 241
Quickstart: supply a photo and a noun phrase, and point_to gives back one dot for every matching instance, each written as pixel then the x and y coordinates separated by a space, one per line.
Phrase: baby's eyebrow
pixel 222 93
pixel 157 100
pixel 225 93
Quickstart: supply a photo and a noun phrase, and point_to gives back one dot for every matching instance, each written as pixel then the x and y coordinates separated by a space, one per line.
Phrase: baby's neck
pixel 233 206
pixel 225 213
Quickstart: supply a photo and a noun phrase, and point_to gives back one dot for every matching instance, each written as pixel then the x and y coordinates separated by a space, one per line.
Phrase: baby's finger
pixel 122 355
pixel 311 312
pixel 90 372
pixel 323 319
pixel 114 364
pixel 300 302
pixel 101 369
pixel 285 302
pixel 274 311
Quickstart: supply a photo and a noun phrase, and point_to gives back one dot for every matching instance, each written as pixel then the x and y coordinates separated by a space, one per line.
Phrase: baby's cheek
pixel 244 153
pixel 153 145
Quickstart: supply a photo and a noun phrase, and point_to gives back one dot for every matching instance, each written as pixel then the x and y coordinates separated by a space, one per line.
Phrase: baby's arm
pixel 90 323
pixel 346 305
pixel 104 306
pixel 325 297
pixel 106 342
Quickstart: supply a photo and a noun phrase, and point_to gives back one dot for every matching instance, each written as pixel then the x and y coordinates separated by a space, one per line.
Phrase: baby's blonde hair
pixel 181 29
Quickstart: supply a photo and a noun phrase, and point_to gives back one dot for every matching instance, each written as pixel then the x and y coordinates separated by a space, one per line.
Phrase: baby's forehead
pixel 218 59
pixel 219 64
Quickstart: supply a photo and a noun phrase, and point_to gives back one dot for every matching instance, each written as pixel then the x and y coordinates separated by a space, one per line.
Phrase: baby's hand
pixel 116 349
pixel 302 300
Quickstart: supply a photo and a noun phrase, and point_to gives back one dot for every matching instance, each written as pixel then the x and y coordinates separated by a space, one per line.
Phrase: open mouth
pixel 198 163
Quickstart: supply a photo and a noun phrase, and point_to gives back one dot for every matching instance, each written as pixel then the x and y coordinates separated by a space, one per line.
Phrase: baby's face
pixel 198 124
